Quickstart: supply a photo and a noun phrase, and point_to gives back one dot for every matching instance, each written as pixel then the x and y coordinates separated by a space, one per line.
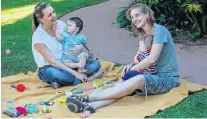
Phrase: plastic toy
pixel 77 91
pixel 21 110
pixel 11 111
pixel 97 83
pixel 19 87
pixel 10 101
pixel 46 109
pixel 68 93
pixel 62 100
pixel 32 108
pixel 46 103
pixel 89 88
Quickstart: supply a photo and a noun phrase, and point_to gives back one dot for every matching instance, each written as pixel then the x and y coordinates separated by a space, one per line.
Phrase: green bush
pixel 190 15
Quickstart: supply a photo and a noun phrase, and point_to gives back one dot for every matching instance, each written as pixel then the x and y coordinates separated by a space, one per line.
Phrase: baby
pixel 144 51
pixel 71 37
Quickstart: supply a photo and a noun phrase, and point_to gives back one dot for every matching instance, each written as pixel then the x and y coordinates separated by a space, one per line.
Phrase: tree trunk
pixel 197 23
pixel 203 23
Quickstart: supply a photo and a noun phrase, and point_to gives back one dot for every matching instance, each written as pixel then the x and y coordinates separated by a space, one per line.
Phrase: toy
pixel 46 103
pixel 89 88
pixel 68 93
pixel 19 87
pixel 11 111
pixel 32 108
pixel 10 101
pixel 77 91
pixel 21 110
pixel 46 109
pixel 97 83
pixel 8 51
pixel 62 100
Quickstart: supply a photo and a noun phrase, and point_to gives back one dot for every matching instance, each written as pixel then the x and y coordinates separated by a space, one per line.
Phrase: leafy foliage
pixel 190 15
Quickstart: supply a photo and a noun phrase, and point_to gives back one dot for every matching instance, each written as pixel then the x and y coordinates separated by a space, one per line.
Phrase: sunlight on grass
pixel 10 16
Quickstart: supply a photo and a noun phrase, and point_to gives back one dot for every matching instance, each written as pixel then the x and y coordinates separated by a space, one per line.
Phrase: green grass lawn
pixel 195 106
pixel 16 29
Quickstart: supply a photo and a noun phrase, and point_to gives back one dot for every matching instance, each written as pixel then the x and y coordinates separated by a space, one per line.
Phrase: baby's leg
pixel 72 65
pixel 82 62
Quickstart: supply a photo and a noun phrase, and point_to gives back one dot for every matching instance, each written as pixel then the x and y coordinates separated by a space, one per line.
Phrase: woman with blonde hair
pixel 47 50
pixel 162 53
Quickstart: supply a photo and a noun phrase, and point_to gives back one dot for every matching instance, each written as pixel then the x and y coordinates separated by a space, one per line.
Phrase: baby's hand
pixel 54 26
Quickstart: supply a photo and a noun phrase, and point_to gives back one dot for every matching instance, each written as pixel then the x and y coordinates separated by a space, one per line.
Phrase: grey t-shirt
pixel 167 62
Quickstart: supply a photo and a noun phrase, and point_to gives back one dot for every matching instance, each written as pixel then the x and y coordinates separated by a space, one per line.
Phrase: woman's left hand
pixel 76 50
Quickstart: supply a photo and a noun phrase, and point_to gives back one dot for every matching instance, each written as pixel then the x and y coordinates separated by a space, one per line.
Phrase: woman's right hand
pixel 126 68
pixel 76 50
pixel 81 77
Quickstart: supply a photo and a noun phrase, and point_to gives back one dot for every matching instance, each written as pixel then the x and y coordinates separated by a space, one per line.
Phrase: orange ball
pixel 8 51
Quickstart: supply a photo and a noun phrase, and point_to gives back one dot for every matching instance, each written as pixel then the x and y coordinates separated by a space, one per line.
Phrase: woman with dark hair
pixel 47 50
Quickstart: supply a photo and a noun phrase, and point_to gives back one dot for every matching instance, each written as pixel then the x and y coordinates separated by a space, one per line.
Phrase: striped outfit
pixel 140 57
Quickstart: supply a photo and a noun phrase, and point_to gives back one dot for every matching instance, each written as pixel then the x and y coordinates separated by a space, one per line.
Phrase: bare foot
pixel 96 75
pixel 82 70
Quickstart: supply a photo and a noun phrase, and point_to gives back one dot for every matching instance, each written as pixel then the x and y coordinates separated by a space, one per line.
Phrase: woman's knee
pixel 59 76
pixel 92 66
pixel 136 82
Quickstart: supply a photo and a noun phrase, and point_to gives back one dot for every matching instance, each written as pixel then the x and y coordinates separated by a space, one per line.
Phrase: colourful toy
pixel 62 100
pixel 89 88
pixel 21 110
pixel 97 83
pixel 19 87
pixel 10 101
pixel 46 103
pixel 49 118
pixel 68 93
pixel 32 108
pixel 77 91
pixel 46 109
pixel 11 111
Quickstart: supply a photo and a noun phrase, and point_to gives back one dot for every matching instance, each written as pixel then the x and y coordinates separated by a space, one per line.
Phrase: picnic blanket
pixel 129 106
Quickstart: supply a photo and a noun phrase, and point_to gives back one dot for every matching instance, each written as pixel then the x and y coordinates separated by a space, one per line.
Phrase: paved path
pixel 112 43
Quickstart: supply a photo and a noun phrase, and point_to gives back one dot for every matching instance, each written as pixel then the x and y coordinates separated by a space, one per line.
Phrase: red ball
pixel 20 87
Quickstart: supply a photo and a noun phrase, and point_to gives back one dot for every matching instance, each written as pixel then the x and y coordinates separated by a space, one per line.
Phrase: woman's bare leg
pixel 120 90
pixel 99 104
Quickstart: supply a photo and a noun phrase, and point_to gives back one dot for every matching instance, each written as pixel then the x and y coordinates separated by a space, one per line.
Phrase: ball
pixel 8 52
pixel 20 87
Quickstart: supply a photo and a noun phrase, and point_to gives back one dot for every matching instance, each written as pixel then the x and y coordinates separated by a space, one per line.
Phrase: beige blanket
pixel 131 106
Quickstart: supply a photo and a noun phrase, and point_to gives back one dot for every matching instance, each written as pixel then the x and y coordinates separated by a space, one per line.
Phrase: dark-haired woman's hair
pixel 38 13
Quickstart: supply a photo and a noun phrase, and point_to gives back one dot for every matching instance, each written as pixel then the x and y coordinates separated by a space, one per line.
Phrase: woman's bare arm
pixel 151 59
pixel 44 51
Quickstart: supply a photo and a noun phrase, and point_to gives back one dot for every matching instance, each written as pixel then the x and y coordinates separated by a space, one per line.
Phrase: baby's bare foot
pixel 82 70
